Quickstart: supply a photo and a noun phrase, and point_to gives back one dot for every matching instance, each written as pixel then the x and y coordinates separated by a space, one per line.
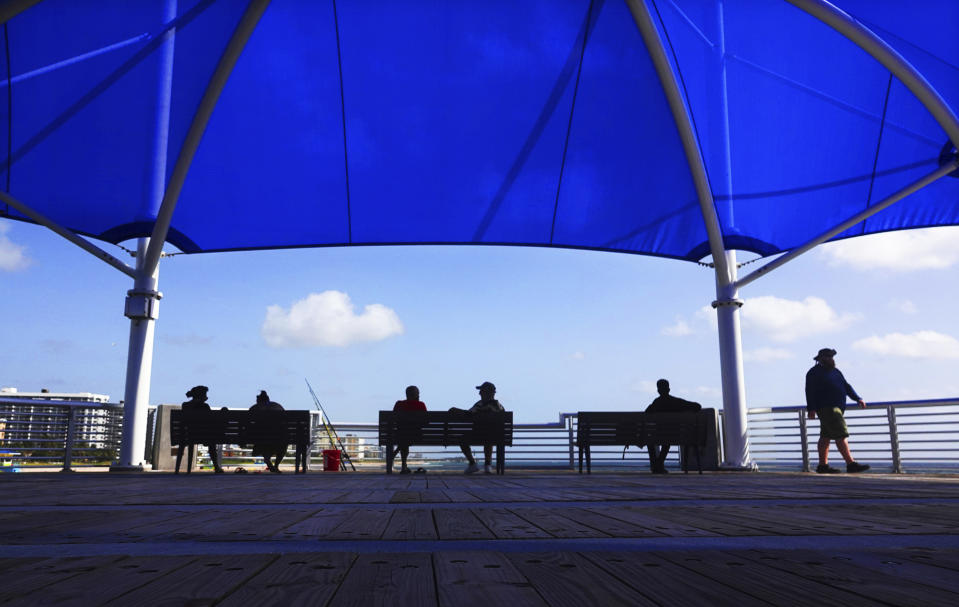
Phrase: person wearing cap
pixel 412 403
pixel 485 404
pixel 197 402
pixel 826 392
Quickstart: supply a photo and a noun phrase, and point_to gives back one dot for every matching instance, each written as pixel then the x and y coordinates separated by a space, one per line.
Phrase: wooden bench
pixel 190 428
pixel 624 428
pixel 445 428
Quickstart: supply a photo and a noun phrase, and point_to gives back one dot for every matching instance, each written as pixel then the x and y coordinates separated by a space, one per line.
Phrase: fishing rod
pixel 328 426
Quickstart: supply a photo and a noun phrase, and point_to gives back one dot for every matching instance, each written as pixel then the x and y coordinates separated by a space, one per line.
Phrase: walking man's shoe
pixel 853 467
pixel 827 469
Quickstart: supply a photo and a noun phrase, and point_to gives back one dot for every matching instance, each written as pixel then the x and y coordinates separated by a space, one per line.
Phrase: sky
pixel 556 330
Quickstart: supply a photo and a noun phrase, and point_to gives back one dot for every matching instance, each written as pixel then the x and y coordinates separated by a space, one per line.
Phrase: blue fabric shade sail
pixel 539 122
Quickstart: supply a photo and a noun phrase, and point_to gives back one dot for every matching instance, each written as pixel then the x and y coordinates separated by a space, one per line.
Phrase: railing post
pixel 71 434
pixel 804 439
pixel 569 423
pixel 894 439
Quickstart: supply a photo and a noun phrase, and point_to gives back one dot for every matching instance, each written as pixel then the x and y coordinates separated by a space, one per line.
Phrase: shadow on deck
pixel 549 538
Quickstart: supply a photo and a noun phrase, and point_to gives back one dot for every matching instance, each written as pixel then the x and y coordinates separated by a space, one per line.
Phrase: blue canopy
pixel 537 123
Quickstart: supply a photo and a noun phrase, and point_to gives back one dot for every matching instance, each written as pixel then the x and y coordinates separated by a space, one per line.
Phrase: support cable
pixel 346 158
pixel 569 125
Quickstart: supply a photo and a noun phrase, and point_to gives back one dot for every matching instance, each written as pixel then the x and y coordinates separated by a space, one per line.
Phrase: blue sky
pixel 555 330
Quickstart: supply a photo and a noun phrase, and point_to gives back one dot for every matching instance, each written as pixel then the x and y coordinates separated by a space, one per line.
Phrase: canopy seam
pixel 6 41
pixel 875 160
pixel 346 158
pixel 569 125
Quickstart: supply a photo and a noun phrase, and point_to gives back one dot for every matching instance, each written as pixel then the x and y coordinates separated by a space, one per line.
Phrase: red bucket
pixel 331 460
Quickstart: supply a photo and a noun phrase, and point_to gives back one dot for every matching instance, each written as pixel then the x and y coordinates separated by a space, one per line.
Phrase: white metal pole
pixel 142 306
pixel 142 303
pixel 727 306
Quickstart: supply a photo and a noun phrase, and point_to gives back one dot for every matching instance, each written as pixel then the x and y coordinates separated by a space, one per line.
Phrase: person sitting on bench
pixel 486 403
pixel 412 403
pixel 665 403
pixel 197 402
pixel 268 450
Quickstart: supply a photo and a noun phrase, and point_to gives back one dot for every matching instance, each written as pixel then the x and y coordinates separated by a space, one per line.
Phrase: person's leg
pixel 488 455
pixel 469 454
pixel 663 452
pixel 823 450
pixel 842 444
pixel 279 458
pixel 215 457
pixel 404 454
pixel 653 457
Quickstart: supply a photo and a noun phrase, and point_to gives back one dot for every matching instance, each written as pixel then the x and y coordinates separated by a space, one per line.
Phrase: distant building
pixel 41 417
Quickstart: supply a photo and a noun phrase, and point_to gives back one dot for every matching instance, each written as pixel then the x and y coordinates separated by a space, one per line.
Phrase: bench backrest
pixel 639 428
pixel 445 428
pixel 238 427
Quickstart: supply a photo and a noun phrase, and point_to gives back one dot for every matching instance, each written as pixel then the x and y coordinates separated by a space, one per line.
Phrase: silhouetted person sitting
pixel 412 403
pixel 485 404
pixel 666 403
pixel 268 450
pixel 197 402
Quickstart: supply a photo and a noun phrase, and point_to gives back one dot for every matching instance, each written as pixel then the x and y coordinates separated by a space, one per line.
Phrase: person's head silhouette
pixel 662 386
pixel 412 393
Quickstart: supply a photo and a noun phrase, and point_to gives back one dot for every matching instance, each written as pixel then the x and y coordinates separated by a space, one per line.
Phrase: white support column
pixel 735 425
pixel 142 308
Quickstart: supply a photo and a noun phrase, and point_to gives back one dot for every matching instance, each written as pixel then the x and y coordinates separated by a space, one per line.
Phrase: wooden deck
pixel 527 538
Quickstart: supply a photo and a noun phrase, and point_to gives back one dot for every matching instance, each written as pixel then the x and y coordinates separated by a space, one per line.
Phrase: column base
pixel 126 468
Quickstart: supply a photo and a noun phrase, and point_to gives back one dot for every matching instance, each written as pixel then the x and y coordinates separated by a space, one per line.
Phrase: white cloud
pixel 785 320
pixel 12 256
pixel 577 356
pixel 905 306
pixel 922 344
pixel 901 251
pixel 327 319
pixel 765 355
pixel 645 386
pixel 679 329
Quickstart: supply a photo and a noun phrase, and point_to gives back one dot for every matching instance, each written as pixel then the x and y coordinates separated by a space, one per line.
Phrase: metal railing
pixel 61 434
pixel 899 436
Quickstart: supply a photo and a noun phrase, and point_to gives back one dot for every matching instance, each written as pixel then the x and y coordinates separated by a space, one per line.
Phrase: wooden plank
pixel 646 517
pixel 894 565
pixel 506 525
pixel 205 581
pixel 294 580
pixel 760 581
pixel 459 524
pixel 318 524
pixel 946 558
pixel 844 574
pixel 566 579
pixel 20 582
pixel 555 522
pixel 106 582
pixel 411 525
pixel 406 497
pixel 362 524
pixel 481 578
pixel 387 580
pixel 597 519
pixel 703 518
pixel 667 583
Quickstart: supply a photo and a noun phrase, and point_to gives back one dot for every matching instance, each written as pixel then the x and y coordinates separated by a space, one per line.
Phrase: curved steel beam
pixel 218 80
pixel 863 37
pixel 81 242
pixel 654 45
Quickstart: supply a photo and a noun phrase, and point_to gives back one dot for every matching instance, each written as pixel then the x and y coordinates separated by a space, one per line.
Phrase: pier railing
pixel 900 436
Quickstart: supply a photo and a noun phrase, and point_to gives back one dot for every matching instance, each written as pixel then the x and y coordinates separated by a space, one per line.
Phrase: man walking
pixel 826 392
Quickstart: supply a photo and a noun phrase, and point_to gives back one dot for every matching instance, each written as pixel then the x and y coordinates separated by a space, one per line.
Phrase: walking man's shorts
pixel 831 423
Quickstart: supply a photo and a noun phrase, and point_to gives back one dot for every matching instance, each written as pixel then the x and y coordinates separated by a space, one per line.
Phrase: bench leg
pixel 589 461
pixel 500 459
pixel 581 460
pixel 390 454
pixel 189 461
